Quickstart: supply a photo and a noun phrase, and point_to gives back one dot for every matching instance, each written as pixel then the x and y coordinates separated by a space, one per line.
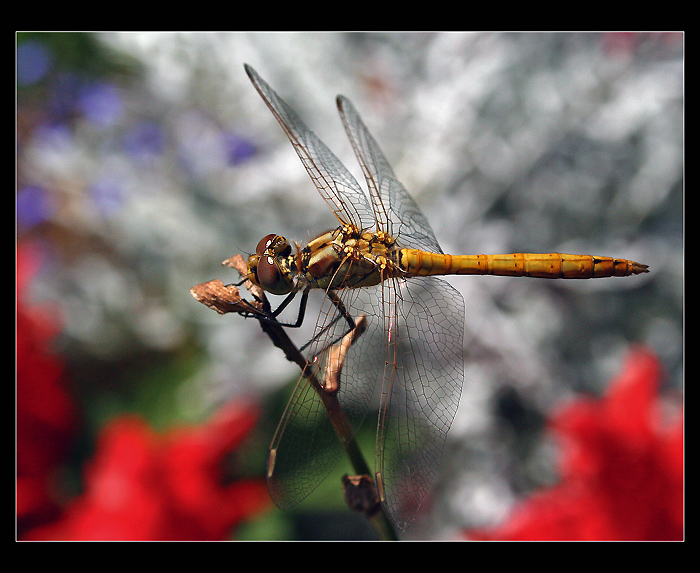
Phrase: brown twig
pixel 222 298
pixel 361 495
pixel 227 298
pixel 338 353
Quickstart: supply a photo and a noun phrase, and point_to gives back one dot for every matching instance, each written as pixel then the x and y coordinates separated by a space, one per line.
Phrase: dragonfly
pixel 381 262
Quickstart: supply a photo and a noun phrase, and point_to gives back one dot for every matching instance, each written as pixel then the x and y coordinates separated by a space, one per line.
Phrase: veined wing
pixel 424 326
pixel 334 182
pixel 414 341
pixel 422 387
pixel 394 208
pixel 305 447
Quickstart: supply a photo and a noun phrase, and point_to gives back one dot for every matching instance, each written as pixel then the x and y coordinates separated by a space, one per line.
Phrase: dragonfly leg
pixel 302 308
pixel 343 314
pixel 272 316
pixel 341 307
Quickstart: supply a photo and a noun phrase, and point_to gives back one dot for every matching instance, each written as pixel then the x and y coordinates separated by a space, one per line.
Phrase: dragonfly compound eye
pixel 264 244
pixel 270 277
pixel 274 244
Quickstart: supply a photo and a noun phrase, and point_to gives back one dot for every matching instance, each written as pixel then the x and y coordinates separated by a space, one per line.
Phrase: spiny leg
pixel 271 317
pixel 343 314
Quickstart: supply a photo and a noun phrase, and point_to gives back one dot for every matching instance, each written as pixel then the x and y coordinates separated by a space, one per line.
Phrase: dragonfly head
pixel 269 266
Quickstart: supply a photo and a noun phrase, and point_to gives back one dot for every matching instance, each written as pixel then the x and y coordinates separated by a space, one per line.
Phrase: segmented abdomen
pixel 549 265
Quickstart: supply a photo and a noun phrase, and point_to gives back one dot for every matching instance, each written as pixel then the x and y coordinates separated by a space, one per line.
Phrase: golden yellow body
pixel 548 266
pixel 350 258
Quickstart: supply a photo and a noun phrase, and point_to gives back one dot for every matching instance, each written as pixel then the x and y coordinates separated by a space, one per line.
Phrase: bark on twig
pixel 338 353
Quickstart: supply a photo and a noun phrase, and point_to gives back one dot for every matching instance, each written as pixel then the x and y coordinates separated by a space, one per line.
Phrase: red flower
pixel 622 468
pixel 142 486
pixel 45 412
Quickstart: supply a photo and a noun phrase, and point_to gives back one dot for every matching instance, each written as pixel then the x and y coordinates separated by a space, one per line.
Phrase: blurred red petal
pixel 631 401
pixel 46 416
pixel 622 470
pixel 141 486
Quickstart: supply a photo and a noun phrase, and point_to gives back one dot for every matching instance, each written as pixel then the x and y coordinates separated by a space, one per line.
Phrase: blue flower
pixel 34 61
pixel 34 206
pixel 101 103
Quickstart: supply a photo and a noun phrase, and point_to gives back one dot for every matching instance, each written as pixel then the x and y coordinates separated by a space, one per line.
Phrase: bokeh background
pixel 146 159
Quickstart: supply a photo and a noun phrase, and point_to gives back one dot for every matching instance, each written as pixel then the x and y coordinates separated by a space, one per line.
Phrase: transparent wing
pixel 413 342
pixel 424 322
pixel 422 387
pixel 395 210
pixel 304 449
pixel 334 182
pixel 305 446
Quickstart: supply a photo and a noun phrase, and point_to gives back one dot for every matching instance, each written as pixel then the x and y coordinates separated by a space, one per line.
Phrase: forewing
pixel 334 182
pixel 395 210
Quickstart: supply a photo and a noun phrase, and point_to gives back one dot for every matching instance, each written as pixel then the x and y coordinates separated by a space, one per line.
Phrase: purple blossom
pixel 34 61
pixel 100 102
pixel 144 139
pixel 237 149
pixel 34 206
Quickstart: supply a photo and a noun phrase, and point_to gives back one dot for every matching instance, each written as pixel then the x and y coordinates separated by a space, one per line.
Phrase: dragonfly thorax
pixel 347 257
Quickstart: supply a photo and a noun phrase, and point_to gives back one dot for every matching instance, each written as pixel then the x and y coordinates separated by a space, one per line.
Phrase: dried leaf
pixel 222 298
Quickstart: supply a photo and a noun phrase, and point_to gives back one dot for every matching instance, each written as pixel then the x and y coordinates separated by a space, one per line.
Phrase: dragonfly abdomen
pixel 549 265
